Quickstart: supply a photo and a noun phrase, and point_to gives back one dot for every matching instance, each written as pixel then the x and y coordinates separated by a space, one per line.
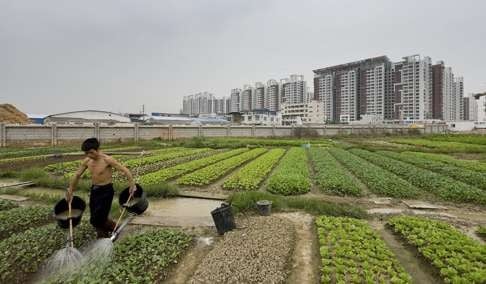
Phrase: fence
pixel 62 134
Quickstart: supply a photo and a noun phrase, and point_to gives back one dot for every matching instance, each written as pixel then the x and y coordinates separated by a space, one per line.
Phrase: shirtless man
pixel 101 194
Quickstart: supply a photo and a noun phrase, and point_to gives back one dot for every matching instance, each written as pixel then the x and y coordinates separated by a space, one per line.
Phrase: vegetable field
pixel 340 211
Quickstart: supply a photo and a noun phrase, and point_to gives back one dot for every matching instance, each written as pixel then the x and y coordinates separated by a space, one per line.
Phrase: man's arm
pixel 75 180
pixel 115 164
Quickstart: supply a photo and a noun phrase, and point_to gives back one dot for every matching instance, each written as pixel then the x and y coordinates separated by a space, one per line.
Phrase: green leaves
pixel 178 170
pixel 250 176
pixel 23 254
pixel 459 258
pixel 442 186
pixel 351 252
pixel 291 176
pixel 7 205
pixel 210 173
pixel 22 218
pixel 144 257
pixel 378 180
pixel 330 175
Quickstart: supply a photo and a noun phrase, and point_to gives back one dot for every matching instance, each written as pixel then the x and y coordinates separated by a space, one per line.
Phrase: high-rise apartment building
pixel 258 96
pixel 469 110
pixel 272 96
pixel 200 103
pixel 412 88
pixel 235 100
pixel 351 90
pixel 246 100
pixel 294 90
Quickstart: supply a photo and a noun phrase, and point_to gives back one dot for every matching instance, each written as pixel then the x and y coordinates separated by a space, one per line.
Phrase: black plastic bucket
pixel 223 218
pixel 138 204
pixel 61 212
pixel 264 207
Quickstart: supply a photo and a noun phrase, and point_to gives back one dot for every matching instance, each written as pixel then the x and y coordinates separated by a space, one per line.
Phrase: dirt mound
pixel 10 114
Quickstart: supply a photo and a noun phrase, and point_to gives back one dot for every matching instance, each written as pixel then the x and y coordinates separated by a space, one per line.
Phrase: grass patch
pixel 246 201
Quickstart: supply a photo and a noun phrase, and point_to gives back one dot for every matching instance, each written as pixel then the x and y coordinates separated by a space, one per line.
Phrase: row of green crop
pixel 461 138
pixel 70 167
pixel 21 218
pixel 459 258
pixel 330 176
pixel 238 142
pixel 377 180
pixel 27 154
pixel 253 174
pixel 163 175
pixel 474 178
pixel 158 156
pixel 211 173
pixel 291 176
pixel 140 258
pixel 439 185
pixel 442 146
pixel 351 252
pixel 474 165
pixel 66 168
pixel 24 152
pixel 23 254
pixel 7 205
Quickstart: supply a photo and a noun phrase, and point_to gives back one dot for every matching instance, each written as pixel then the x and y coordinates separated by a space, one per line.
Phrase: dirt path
pixel 189 262
pixel 419 269
pixel 305 263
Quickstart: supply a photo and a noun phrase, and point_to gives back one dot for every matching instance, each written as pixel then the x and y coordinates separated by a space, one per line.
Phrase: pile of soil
pixel 10 114
pixel 259 253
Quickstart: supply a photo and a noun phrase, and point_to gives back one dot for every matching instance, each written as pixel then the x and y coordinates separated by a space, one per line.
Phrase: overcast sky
pixel 58 56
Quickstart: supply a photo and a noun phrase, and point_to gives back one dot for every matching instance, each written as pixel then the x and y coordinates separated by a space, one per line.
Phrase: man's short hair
pixel 90 144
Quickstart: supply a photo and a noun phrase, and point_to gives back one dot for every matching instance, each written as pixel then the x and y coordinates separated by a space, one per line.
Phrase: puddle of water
pixel 8 181
pixel 205 241
pixel 182 207
pixel 178 212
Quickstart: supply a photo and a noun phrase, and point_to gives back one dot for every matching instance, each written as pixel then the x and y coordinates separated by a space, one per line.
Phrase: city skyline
pixel 375 89
pixel 120 56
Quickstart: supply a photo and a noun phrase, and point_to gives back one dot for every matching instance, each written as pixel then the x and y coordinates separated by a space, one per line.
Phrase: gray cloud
pixel 117 55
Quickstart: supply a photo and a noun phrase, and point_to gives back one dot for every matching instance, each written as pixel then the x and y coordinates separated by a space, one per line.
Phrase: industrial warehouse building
pixel 87 116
